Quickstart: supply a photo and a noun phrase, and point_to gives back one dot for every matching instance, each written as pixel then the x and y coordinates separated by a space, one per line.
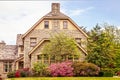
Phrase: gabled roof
pixel 45 39
pixel 19 59
pixel 8 52
pixel 52 15
pixel 83 50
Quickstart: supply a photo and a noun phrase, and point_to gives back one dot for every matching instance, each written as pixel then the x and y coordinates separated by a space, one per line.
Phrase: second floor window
pixel 33 42
pixel 46 24
pixel 65 24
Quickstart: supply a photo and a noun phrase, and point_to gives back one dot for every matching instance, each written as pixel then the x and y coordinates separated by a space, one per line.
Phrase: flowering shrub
pixel 61 69
pixel 17 73
pixel 85 69
pixel 25 72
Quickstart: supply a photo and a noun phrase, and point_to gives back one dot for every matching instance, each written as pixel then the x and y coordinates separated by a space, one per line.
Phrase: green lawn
pixel 65 78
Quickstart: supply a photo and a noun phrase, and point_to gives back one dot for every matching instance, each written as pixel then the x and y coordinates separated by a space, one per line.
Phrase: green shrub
pixel 101 74
pixel 85 69
pixel 116 71
pixel 11 74
pixel 40 69
pixel 108 72
pixel 23 74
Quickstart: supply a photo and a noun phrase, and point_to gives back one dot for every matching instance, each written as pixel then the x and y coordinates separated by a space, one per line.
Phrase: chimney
pixel 2 44
pixel 55 8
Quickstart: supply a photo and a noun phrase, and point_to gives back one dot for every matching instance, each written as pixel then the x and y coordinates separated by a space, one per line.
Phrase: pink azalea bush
pixel 63 69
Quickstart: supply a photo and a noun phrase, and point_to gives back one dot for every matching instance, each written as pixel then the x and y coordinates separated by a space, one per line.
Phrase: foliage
pixel 107 72
pixel 25 72
pixel 62 69
pixel 17 73
pixel 85 69
pixel 40 69
pixel 11 74
pixel 61 45
pixel 102 46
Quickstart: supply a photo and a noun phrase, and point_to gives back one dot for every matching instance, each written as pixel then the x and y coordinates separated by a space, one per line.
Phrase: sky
pixel 16 17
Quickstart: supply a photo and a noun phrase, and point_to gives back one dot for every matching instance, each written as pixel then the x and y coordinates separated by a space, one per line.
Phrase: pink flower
pixel 61 69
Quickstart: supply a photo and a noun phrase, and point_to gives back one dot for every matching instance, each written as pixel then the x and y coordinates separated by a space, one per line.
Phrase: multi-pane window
pixel 44 58
pixel 39 57
pixel 65 24
pixel 73 57
pixel 7 66
pixel 46 24
pixel 33 42
pixel 52 59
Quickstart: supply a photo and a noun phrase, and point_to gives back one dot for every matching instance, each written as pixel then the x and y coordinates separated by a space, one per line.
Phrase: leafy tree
pixel 60 47
pixel 101 46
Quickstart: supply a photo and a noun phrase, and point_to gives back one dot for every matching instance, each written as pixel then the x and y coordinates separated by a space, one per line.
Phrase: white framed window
pixel 7 66
pixel 33 41
pixel 43 58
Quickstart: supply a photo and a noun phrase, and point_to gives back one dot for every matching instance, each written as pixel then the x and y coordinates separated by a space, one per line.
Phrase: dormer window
pixel 65 24
pixel 46 24
pixel 33 41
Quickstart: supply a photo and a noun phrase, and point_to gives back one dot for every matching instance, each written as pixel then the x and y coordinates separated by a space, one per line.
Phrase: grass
pixel 65 78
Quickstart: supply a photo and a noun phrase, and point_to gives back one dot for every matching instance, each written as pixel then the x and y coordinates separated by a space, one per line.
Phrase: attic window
pixel 65 24
pixel 33 42
pixel 46 24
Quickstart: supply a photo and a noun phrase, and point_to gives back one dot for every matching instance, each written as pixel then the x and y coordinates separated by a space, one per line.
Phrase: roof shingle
pixel 8 52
